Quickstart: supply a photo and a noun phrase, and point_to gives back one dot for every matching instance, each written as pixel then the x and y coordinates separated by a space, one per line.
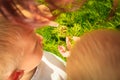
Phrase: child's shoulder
pixel 52 58
pixel 50 68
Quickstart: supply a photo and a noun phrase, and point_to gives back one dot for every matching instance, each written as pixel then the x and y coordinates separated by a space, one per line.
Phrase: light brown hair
pixel 96 56
pixel 10 52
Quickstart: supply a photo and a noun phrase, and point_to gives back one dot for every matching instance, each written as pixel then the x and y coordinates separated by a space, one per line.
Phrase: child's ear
pixel 16 75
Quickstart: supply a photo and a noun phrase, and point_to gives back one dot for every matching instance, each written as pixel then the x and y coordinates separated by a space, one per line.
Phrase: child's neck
pixel 28 76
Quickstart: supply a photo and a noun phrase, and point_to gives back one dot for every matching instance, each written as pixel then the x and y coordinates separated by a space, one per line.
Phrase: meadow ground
pixel 93 15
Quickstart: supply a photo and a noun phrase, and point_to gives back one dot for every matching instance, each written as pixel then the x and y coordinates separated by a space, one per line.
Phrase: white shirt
pixel 50 68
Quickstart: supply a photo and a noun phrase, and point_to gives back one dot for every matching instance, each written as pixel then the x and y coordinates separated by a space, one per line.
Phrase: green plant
pixel 93 15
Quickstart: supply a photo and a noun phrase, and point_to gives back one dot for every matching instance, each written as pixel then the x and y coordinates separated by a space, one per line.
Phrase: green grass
pixel 93 15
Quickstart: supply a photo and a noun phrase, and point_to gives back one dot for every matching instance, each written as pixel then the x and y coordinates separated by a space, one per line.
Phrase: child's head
pixel 20 49
pixel 96 56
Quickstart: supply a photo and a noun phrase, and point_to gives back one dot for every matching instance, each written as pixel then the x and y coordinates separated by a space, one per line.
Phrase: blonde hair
pixel 8 48
pixel 96 56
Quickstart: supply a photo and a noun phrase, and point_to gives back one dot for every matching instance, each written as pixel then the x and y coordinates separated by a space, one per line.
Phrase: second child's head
pixel 96 56
pixel 20 49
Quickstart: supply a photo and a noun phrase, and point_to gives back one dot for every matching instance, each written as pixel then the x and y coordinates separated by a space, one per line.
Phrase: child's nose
pixel 39 37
